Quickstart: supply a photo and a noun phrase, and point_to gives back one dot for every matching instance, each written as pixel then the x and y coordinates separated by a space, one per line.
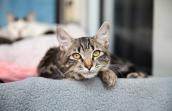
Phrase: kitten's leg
pixel 136 75
pixel 108 77
pixel 73 76
pixel 51 72
pixel 51 75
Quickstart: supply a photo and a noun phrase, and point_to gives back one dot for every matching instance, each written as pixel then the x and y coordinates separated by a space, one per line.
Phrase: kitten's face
pixel 18 27
pixel 87 55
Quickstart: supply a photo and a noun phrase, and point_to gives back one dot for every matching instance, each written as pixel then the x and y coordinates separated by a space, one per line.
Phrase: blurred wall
pixel 83 12
pixel 162 45
pixel 109 6
pixel 93 16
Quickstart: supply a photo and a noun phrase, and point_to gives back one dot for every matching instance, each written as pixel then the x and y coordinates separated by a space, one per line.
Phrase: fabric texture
pixel 40 94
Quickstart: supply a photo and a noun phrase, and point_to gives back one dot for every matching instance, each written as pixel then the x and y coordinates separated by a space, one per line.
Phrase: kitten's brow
pixel 79 49
pixel 85 43
pixel 82 47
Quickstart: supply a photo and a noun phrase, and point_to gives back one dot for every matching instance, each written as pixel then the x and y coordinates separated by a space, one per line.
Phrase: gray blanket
pixel 39 94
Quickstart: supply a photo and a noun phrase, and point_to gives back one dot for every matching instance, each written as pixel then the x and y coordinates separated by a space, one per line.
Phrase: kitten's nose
pixel 88 63
pixel 88 67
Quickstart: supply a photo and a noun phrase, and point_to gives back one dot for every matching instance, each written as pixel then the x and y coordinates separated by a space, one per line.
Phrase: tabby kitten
pixel 83 58
pixel 79 59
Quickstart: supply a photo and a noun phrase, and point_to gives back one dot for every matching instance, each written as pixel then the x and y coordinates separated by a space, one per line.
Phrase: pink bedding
pixel 12 72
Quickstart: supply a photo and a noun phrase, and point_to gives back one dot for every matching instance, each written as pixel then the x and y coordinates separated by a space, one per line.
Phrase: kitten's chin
pixel 89 75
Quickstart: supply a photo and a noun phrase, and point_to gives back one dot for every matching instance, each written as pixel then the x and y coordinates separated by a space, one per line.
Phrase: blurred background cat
pixel 18 28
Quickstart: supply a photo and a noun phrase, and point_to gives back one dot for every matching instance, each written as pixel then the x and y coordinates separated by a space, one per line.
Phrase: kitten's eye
pixel 96 53
pixel 76 55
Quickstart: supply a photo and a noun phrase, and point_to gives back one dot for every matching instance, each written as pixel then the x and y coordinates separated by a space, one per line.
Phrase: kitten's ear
pixel 65 40
pixel 10 17
pixel 102 35
pixel 30 17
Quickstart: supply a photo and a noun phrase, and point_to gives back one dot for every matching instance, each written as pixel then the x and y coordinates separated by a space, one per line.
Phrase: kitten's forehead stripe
pixel 92 47
pixel 88 43
pixel 79 49
pixel 85 43
pixel 81 46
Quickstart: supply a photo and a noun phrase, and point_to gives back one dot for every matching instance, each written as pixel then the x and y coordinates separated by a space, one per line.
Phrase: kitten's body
pixel 84 58
pixel 57 64
pixel 50 68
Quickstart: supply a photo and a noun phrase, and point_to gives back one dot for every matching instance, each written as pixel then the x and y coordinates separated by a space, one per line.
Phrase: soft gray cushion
pixel 39 94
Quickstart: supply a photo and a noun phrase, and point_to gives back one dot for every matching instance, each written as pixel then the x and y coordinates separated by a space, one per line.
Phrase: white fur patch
pixel 88 76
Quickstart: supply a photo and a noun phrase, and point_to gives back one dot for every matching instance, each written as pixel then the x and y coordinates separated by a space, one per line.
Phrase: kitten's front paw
pixel 109 78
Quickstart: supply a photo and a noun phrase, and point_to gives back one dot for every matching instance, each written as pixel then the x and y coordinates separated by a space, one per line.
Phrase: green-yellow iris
pixel 76 55
pixel 96 53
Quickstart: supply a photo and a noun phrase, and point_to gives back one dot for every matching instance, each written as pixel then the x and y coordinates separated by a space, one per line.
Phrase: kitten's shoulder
pixel 53 50
pixel 52 53
pixel 49 57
